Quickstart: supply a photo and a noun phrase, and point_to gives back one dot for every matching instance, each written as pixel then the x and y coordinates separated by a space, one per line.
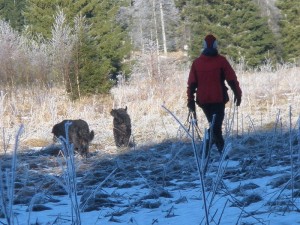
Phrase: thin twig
pixel 291 153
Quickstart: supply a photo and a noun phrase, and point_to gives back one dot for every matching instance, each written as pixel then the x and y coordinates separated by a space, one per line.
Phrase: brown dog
pixel 79 134
pixel 122 127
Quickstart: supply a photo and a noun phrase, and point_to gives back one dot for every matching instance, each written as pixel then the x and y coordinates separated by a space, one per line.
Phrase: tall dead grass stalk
pixel 69 176
pixel 7 183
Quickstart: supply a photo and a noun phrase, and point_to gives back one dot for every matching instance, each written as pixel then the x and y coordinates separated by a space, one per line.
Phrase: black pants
pixel 217 109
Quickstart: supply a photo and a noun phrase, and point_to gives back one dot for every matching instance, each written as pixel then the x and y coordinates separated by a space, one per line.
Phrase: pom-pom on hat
pixel 210 41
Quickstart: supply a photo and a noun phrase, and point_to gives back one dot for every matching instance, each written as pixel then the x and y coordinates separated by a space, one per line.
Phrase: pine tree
pixel 11 11
pixel 100 52
pixel 112 44
pixel 98 56
pixel 84 66
pixel 290 29
pixel 252 37
pixel 39 14
pixel 240 29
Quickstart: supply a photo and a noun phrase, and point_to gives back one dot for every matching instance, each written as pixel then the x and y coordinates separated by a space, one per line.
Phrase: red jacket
pixel 207 77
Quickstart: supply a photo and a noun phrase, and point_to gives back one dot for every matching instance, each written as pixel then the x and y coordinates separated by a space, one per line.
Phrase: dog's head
pixel 118 113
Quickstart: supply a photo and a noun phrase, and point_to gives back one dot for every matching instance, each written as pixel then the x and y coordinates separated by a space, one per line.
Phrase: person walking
pixel 207 79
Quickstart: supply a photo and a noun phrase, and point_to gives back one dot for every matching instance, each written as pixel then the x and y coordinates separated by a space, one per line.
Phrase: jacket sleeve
pixel 231 79
pixel 192 83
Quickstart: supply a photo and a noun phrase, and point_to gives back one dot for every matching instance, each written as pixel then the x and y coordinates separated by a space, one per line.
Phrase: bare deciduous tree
pixel 155 20
pixel 62 44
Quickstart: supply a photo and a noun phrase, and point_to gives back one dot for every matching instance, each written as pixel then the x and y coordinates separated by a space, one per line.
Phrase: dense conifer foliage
pixel 241 31
pixel 290 29
pixel 11 11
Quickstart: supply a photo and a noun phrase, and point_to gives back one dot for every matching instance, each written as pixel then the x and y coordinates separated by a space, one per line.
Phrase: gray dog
pixel 79 134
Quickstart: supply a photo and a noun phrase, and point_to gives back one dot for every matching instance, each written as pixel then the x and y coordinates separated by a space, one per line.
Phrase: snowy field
pixel 160 184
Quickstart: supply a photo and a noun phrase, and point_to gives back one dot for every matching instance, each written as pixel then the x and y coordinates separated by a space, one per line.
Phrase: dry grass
pixel 266 95
pixel 267 92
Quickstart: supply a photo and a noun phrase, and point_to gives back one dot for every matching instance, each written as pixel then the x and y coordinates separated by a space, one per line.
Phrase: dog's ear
pixel 126 108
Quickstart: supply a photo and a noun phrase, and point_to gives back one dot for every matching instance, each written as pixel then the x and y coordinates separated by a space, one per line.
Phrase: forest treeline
pixel 86 44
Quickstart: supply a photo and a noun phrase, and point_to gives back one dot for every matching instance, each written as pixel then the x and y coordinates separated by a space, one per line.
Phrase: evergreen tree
pixel 11 11
pixel 240 29
pixel 39 14
pixel 112 45
pixel 89 74
pixel 101 47
pixel 290 29
pixel 252 37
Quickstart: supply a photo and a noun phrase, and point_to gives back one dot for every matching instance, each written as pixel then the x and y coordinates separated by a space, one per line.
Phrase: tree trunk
pixel 163 27
pixel 155 26
pixel 156 39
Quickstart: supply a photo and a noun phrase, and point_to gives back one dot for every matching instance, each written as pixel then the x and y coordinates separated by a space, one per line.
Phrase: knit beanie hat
pixel 210 42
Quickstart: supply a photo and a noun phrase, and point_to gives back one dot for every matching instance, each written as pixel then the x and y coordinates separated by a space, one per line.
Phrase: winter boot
pixel 220 145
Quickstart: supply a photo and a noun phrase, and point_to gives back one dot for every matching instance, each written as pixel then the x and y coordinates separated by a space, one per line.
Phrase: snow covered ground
pixel 160 184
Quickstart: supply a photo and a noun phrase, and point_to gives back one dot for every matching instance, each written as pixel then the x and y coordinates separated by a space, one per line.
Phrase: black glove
pixel 237 97
pixel 192 106
pixel 237 100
